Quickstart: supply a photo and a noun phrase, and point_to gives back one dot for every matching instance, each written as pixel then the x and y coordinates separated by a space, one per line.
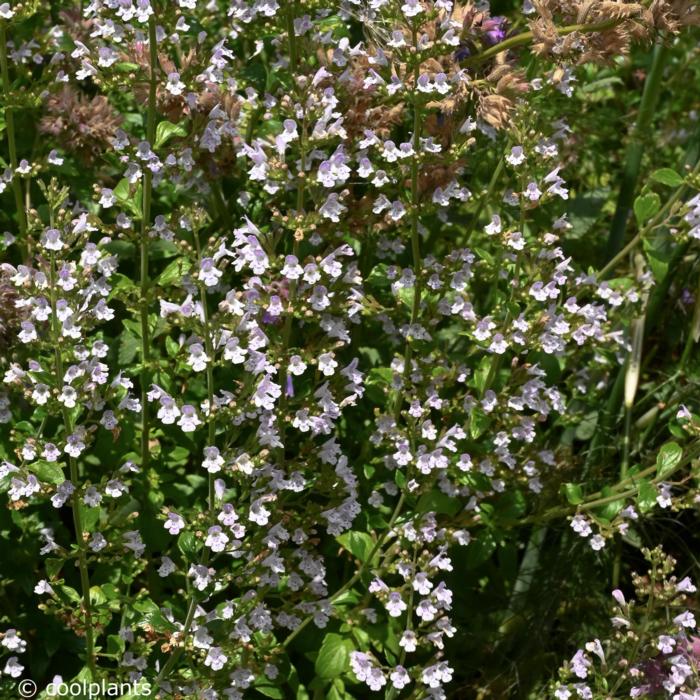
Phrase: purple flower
pixel 494 30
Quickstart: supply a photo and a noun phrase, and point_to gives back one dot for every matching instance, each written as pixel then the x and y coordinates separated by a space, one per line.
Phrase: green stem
pixel 74 478
pixel 393 691
pixel 189 619
pixel 415 240
pixel 293 57
pixel 293 285
pixel 211 438
pixel 485 199
pixel 598 499
pixel 656 221
pixel 359 573
pixel 209 349
pixel 635 149
pixel 526 38
pixel 145 220
pixel 10 128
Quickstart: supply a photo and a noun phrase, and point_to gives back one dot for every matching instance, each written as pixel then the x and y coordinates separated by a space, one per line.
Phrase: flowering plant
pixel 316 369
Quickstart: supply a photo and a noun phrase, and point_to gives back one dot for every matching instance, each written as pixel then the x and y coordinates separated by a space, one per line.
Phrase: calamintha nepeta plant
pixel 292 335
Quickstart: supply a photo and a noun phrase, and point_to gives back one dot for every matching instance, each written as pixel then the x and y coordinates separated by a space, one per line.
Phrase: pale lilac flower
pixel 216 539
pixel 174 523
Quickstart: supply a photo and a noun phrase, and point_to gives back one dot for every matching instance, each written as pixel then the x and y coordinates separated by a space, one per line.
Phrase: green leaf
pixel 668 458
pixel 115 644
pixel 175 271
pixel 359 544
pixel 268 689
pixel 129 197
pixel 610 510
pixel 172 347
pixel 481 374
pixel 188 545
pixel 478 423
pixel 53 567
pixel 405 295
pixel 645 206
pixel 166 130
pixel 585 430
pixel 646 496
pixel 129 345
pixel 89 516
pixel 510 505
pixel 378 383
pixel 438 502
pixel 121 284
pixel 47 471
pixel 151 616
pixel 573 493
pixel 479 550
pixel 68 594
pixel 333 656
pixel 667 176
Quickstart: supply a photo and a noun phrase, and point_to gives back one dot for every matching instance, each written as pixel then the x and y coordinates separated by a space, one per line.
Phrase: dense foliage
pixel 349 349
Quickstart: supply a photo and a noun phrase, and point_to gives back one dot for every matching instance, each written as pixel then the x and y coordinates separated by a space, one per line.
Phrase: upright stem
pixel 525 38
pixel 209 349
pixel 485 199
pixel 358 574
pixel 74 477
pixel 635 148
pixel 293 55
pixel 392 691
pixel 415 240
pixel 300 186
pixel 10 128
pixel 145 220
pixel 211 439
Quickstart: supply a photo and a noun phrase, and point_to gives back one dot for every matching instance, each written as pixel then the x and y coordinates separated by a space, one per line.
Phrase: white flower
pixel 296 365
pixel 13 668
pixel 174 523
pixel 107 198
pixel 215 659
pixel 216 539
pixel 685 619
pixel 189 421
pixel 411 8
pixel 12 641
pixel 516 155
pixel 395 605
pixel 686 586
pixel 43 587
pixel 197 358
pixel 51 239
pixel 167 567
pixel 213 461
pixel 332 208
pixel 597 542
pixel 208 272
pixel 174 85
pixel 399 677
pixel 327 364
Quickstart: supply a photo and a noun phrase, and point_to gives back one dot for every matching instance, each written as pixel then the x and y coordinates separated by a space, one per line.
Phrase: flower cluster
pixel 653 652
pixel 292 327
